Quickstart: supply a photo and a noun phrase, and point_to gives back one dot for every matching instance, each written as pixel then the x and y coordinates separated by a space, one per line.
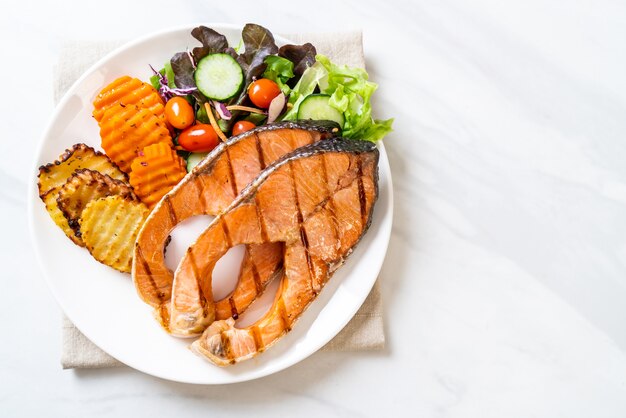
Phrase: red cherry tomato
pixel 242 126
pixel 200 137
pixel 262 92
pixel 179 113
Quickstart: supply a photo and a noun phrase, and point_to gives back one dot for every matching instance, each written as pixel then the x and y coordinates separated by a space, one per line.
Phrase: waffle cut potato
pixel 109 227
pixel 84 186
pixel 54 175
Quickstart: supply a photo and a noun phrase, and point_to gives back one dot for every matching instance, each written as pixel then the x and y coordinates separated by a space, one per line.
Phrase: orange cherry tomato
pixel 179 113
pixel 200 137
pixel 262 92
pixel 242 126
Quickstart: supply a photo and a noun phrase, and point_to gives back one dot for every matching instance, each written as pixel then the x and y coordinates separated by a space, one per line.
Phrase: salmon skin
pixel 207 190
pixel 317 203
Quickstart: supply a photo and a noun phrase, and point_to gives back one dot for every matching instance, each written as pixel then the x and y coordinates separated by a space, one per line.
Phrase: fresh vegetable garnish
pixel 350 93
pixel 234 89
pixel 279 70
pixel 197 98
pixel 242 126
pixel 218 76
pixel 179 113
pixel 302 56
pixel 216 126
pixel 163 81
pixel 317 107
pixel 222 110
pixel 277 105
pixel 246 109
pixel 194 159
pixel 262 92
pixel 198 138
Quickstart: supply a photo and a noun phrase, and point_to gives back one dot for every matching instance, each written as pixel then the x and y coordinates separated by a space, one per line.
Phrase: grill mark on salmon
pixel 257 278
pixel 201 296
pixel 303 237
pixel 262 226
pixel 231 173
pixel 331 205
pixel 284 317
pixel 305 243
pixel 259 150
pixel 296 290
pixel 141 259
pixel 200 187
pixel 362 202
pixel 170 210
pixel 199 181
pixel 205 191
pixel 226 232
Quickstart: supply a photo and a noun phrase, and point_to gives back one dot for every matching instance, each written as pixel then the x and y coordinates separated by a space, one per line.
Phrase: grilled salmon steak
pixel 208 190
pixel 317 203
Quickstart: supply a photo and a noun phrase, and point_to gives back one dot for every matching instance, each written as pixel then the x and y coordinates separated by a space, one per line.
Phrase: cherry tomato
pixel 262 91
pixel 242 126
pixel 179 113
pixel 200 137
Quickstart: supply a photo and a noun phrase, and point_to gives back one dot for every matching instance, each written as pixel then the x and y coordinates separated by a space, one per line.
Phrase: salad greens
pixel 279 70
pixel 298 71
pixel 350 93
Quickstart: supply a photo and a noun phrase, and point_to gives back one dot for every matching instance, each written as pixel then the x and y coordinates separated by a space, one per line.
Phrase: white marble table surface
pixel 505 281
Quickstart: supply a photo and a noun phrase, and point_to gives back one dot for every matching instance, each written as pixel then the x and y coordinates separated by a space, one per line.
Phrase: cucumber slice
pixel 219 76
pixel 316 107
pixel 194 158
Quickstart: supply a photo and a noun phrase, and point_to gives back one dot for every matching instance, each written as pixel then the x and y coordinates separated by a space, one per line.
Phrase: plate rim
pixel 33 198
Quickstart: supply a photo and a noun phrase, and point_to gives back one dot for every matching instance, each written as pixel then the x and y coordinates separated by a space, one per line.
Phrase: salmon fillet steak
pixel 207 190
pixel 316 202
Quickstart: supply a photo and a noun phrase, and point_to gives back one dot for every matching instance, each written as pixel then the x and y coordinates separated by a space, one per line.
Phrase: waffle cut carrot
pixel 155 172
pixel 128 91
pixel 125 130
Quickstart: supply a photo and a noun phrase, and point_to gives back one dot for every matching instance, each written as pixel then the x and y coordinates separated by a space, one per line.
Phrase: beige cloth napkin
pixel 365 330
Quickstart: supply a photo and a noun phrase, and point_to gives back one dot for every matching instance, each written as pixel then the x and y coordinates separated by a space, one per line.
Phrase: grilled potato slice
pixel 55 174
pixel 109 227
pixel 84 186
pixel 50 200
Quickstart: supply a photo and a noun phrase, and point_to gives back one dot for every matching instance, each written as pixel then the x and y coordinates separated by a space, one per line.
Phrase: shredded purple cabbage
pixel 165 91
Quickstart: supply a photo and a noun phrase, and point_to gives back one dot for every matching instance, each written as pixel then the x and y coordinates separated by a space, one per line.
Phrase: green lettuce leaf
pixel 155 81
pixel 279 70
pixel 169 73
pixel 350 92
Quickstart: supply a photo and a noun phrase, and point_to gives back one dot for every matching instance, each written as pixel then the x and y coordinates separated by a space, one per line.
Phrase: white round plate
pixel 103 303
